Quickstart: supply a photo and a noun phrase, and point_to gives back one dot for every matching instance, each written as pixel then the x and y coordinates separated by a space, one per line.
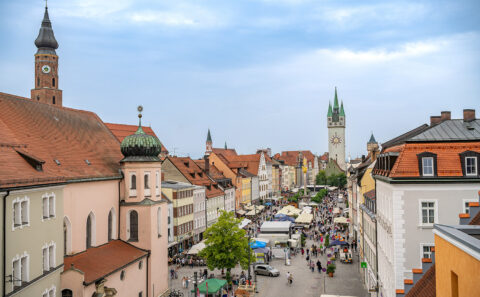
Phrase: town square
pixel 248 148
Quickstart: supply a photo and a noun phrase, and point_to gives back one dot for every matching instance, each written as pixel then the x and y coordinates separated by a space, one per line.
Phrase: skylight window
pixel 58 162
pixel 88 162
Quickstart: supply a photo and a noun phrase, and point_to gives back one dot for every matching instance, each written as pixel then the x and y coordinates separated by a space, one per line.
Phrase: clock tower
pixel 46 66
pixel 336 132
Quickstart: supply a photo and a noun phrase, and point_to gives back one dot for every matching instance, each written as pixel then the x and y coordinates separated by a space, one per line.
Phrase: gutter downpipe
pixel 146 281
pixel 376 238
pixel 4 241
pixel 119 212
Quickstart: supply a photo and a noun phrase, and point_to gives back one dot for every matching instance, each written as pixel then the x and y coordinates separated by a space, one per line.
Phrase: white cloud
pixel 93 9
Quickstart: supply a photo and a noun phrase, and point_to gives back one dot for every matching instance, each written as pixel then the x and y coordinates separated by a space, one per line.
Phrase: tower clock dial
pixel 46 69
pixel 335 139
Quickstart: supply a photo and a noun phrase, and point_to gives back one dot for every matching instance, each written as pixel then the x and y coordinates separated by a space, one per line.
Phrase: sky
pixel 258 73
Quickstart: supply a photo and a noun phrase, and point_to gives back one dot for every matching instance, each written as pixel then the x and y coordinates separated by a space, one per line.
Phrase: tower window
pixel 38 98
pixel 53 100
pixel 38 81
pixel 53 82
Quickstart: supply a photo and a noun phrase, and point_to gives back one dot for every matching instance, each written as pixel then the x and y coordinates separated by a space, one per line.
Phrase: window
pixel 159 222
pixel 48 206
pixel 427 166
pixel 122 275
pixel 466 205
pixel 454 284
pixel 45 208
pixel 17 276
pixel 471 165
pixel 133 226
pixel 24 269
pixel 140 294
pixel 427 251
pixel 53 100
pixel 428 212
pixel 67 236
pixel 51 206
pixel 17 214
pixel 90 238
pixel 51 256
pixel 21 212
pixel 146 181
pixel 157 180
pixel 24 210
pixel 45 259
pixel 67 293
pixel 38 82
pixel 53 82
pixel 133 182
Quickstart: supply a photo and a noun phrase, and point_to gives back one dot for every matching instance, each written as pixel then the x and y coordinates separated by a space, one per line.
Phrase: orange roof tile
pixel 417 271
pixel 408 281
pixel 196 176
pixel 426 286
pixel 225 152
pixel 98 262
pixel 448 161
pixel 120 131
pixel 53 133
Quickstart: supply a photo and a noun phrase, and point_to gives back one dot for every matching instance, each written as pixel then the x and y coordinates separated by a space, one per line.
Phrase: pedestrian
pixel 288 277
pixel 312 266
pixel 319 266
pixel 184 282
pixel 303 251
pixel 308 257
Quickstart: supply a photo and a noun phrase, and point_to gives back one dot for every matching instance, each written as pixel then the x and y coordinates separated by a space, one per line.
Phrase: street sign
pixel 363 264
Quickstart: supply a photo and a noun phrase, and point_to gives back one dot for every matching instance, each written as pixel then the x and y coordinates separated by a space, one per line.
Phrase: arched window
pixel 133 182
pixel 146 181
pixel 53 100
pixel 133 226
pixel 159 222
pixel 53 82
pixel 111 225
pixel 67 236
pixel 38 98
pixel 90 238
pixel 67 293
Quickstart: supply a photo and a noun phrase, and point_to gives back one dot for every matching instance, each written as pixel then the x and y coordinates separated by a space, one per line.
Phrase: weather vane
pixel 140 109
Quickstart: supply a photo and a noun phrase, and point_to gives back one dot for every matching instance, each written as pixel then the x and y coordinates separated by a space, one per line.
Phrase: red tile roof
pixel 291 157
pixel 425 287
pixel 98 262
pixel 249 162
pixel 196 176
pixel 448 160
pixel 225 152
pixel 52 133
pixel 121 131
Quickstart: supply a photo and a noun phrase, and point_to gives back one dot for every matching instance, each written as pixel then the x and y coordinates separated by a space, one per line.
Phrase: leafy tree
pixel 337 180
pixel 327 240
pixel 226 245
pixel 319 196
pixel 321 178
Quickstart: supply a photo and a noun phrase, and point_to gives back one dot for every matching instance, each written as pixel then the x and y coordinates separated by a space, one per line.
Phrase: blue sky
pixel 258 73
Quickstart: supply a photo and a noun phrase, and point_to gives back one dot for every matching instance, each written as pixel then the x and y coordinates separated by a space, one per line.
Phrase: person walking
pixel 312 266
pixel 319 266
pixel 183 282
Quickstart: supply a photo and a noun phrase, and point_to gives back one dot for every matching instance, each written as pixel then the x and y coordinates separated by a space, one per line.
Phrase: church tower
pixel 143 212
pixel 208 144
pixel 46 66
pixel 336 132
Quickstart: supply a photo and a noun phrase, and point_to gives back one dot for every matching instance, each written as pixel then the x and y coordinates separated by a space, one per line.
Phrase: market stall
pixel 304 218
pixel 196 248
pixel 212 287
pixel 341 220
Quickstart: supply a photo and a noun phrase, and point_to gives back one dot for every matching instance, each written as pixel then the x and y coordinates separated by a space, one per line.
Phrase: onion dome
pixel 46 42
pixel 140 147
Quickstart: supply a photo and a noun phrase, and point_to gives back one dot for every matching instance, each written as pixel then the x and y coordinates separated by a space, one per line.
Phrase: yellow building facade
pixel 246 191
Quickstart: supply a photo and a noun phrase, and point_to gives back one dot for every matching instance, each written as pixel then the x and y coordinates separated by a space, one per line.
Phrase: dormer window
pixel 471 166
pixel 469 160
pixel 427 166
pixel 427 163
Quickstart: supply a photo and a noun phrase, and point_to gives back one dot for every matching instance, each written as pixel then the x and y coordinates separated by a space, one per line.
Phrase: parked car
pixel 266 270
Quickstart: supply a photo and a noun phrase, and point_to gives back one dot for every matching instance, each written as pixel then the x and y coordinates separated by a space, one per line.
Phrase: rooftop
pixel 170 184
pixel 120 131
pixel 465 237
pixel 450 130
pixel 99 262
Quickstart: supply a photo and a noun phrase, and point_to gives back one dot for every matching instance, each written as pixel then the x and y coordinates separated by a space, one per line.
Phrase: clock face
pixel 336 140
pixel 46 69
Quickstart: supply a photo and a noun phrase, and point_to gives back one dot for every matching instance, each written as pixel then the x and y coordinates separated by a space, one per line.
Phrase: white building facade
pixel 199 213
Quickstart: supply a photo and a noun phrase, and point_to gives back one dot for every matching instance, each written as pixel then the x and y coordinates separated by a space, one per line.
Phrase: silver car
pixel 266 270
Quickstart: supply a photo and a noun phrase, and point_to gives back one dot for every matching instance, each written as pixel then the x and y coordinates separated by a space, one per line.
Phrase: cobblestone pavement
pixel 346 280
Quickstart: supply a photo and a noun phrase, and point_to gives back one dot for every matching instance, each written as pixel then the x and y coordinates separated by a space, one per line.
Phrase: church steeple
pixel 335 101
pixel 46 42
pixel 330 113
pixel 46 65
pixel 342 112
pixel 208 144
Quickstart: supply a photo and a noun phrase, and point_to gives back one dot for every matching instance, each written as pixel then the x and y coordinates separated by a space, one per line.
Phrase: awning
pixel 341 220
pixel 252 212
pixel 214 285
pixel 196 248
pixel 304 218
pixel 244 223
pixel 172 244
pixel 241 212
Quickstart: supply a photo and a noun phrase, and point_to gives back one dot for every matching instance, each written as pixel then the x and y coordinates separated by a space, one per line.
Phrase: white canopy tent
pixel 340 220
pixel 196 248
pixel 304 218
pixel 244 223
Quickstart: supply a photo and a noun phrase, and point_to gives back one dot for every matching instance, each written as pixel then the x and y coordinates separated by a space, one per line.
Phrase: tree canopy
pixel 321 178
pixel 337 180
pixel 226 244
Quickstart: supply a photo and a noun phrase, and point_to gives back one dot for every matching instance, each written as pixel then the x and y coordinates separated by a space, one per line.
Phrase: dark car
pixel 266 270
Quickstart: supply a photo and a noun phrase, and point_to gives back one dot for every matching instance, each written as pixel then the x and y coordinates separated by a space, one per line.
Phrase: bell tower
pixel 208 144
pixel 336 132
pixel 46 66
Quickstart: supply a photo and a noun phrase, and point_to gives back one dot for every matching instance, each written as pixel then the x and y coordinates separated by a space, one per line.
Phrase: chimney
pixel 363 158
pixel 207 164
pixel 445 115
pixel 468 115
pixel 435 120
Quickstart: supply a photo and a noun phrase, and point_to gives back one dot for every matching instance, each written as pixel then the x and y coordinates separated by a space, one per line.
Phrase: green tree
pixel 337 180
pixel 226 245
pixel 321 178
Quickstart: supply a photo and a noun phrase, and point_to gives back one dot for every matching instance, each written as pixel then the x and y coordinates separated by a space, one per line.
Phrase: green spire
pixel 342 112
pixel 330 113
pixel 209 137
pixel 225 145
pixel 335 101
pixel 372 139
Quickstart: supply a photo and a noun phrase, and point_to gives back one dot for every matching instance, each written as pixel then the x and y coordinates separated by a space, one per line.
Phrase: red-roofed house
pixel 424 177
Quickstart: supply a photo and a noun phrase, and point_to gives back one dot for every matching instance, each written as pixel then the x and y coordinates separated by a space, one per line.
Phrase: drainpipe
pixel 119 212
pixel 376 239
pixel 4 241
pixel 146 281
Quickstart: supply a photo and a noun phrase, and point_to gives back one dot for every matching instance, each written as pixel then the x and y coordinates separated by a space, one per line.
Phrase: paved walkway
pixel 346 280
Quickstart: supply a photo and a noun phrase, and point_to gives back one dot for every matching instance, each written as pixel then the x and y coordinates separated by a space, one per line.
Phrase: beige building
pixel 34 240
